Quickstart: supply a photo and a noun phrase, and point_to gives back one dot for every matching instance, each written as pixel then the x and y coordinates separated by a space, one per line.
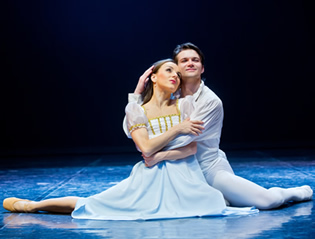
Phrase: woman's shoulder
pixel 135 116
pixel 133 108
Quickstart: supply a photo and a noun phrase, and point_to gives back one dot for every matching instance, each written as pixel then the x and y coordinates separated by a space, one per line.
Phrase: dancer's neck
pixel 190 86
pixel 160 98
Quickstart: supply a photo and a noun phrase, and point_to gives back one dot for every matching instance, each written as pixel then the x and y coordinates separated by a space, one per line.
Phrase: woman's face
pixel 167 77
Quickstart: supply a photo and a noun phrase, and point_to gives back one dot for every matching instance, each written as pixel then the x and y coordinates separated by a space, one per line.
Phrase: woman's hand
pixel 142 81
pixel 190 127
pixel 153 159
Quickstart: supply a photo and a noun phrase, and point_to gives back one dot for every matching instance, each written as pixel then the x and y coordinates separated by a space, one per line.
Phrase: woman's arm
pixel 142 81
pixel 173 154
pixel 150 146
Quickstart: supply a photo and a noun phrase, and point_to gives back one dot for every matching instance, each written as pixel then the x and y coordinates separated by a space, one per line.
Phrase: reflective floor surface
pixel 39 178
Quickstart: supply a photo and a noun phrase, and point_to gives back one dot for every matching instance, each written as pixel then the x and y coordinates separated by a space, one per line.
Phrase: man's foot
pixel 305 193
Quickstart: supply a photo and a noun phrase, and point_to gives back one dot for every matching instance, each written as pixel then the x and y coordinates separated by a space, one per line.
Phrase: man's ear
pixel 203 69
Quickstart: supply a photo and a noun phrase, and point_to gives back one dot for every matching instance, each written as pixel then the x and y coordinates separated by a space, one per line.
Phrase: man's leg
pixel 241 192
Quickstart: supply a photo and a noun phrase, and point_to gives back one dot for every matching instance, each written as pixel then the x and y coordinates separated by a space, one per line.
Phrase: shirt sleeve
pixel 135 118
pixel 210 112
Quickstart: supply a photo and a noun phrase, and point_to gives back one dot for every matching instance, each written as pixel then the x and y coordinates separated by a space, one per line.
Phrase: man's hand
pixel 142 81
pixel 190 127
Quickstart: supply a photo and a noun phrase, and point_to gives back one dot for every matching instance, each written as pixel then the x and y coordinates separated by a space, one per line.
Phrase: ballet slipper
pixel 8 204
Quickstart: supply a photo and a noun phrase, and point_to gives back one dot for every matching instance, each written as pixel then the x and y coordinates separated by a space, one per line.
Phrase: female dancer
pixel 171 189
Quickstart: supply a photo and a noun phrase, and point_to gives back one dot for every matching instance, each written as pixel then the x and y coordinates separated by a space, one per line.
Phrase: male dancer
pixel 214 165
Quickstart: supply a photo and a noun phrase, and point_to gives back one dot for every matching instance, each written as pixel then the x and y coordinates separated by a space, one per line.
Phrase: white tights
pixel 244 193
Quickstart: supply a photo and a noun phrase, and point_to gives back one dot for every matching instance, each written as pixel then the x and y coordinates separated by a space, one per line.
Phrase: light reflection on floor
pixel 85 175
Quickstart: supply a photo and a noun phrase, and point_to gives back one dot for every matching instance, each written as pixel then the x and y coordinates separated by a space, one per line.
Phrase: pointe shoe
pixel 8 204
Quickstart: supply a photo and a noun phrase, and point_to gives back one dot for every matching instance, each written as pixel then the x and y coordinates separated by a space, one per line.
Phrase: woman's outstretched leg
pixel 59 205
pixel 243 193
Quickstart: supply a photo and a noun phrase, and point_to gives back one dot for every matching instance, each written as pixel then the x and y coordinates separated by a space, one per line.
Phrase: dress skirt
pixel 170 189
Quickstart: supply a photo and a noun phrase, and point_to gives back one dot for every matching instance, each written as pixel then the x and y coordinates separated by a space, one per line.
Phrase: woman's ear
pixel 153 78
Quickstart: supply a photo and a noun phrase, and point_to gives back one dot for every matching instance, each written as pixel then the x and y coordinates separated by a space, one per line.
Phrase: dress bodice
pixel 137 118
pixel 159 125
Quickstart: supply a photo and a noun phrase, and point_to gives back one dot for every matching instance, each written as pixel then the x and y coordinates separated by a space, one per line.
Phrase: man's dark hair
pixel 188 46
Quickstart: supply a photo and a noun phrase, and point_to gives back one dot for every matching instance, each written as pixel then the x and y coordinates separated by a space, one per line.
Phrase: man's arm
pixel 209 112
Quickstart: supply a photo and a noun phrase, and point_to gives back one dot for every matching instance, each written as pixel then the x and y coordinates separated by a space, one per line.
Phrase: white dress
pixel 170 189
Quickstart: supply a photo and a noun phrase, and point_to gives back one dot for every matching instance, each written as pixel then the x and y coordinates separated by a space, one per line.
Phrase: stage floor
pixel 44 177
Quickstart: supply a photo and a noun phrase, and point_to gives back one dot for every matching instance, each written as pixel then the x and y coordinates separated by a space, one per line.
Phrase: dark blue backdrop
pixel 67 67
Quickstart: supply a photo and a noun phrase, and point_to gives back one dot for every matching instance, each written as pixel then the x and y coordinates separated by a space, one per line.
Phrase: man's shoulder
pixel 208 94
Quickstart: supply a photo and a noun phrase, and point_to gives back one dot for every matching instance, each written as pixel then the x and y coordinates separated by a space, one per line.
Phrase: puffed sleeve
pixel 210 111
pixel 135 117
pixel 131 98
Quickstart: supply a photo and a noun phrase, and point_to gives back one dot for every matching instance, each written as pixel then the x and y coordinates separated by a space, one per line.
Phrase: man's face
pixel 189 64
